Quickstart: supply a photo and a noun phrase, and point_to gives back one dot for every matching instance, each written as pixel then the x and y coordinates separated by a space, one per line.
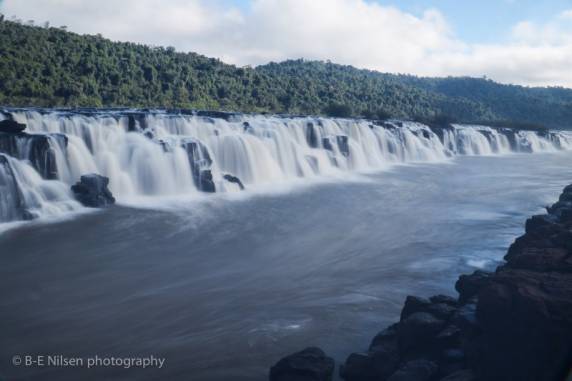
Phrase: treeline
pixel 47 66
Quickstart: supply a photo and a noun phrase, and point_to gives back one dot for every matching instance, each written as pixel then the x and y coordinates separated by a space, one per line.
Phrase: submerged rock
pixel 311 135
pixel 10 126
pixel 205 181
pixel 310 364
pixel 234 180
pixel 341 141
pixel 92 191
pixel 343 144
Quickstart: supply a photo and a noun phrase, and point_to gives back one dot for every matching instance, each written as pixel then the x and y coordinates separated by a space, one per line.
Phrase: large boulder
pixel 461 375
pixel 377 364
pixel 418 331
pixel 544 225
pixel 549 259
pixel 438 307
pixel 10 126
pixel 416 370
pixel 310 364
pixel 527 317
pixel 92 191
pixel 468 286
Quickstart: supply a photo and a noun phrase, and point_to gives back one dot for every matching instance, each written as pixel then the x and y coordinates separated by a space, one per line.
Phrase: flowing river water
pixel 223 285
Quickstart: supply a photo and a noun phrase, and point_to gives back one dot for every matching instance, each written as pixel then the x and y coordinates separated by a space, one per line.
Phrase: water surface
pixel 223 288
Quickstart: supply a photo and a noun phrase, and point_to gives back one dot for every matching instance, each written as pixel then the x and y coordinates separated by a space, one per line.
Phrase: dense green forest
pixel 46 66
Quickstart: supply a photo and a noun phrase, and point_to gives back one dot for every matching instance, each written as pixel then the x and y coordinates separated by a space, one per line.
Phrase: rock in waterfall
pixel 10 126
pixel 92 191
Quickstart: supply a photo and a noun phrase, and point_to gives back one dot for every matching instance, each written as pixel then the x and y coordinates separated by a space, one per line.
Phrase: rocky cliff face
pixel 511 325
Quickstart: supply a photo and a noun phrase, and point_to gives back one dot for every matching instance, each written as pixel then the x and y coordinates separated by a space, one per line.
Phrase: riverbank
pixel 512 324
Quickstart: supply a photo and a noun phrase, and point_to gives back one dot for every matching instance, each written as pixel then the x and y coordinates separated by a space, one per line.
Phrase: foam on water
pixel 160 154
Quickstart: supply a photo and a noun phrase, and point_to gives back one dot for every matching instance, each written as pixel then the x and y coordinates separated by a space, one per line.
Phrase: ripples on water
pixel 224 288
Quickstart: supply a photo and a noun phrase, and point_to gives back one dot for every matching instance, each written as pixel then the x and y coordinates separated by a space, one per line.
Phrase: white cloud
pixel 356 32
pixel 566 15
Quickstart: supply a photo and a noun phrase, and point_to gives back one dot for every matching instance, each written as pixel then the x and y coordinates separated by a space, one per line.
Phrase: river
pixel 222 286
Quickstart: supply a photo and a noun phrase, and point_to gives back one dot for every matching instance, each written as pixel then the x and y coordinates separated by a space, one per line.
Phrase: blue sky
pixel 475 21
pixel 485 20
pixel 512 41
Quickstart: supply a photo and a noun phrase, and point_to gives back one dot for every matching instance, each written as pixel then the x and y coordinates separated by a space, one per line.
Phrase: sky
pixel 526 42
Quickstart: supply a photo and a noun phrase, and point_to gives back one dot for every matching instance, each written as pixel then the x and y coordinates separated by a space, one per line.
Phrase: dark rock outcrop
pixel 310 364
pixel 12 204
pixel 215 114
pixel 513 324
pixel 343 144
pixel 92 191
pixel 205 181
pixel 468 286
pixel 416 370
pixel 312 135
pixel 136 121
pixel 234 180
pixel 341 141
pixel 10 126
pixel 200 162
pixel 461 375
pixel 38 149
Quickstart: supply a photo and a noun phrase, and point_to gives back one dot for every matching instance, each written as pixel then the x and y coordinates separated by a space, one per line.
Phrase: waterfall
pixel 24 195
pixel 157 153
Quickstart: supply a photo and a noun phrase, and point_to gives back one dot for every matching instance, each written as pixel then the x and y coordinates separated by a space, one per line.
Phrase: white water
pixel 21 187
pixel 258 150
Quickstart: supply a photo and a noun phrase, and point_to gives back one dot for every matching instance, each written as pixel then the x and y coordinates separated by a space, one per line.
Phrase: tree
pixel 338 110
pixel 53 67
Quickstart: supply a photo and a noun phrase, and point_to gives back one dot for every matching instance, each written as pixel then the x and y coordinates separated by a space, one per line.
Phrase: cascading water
pixel 24 195
pixel 156 153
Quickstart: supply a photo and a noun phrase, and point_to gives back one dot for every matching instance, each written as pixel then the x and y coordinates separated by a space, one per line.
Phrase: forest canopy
pixel 50 67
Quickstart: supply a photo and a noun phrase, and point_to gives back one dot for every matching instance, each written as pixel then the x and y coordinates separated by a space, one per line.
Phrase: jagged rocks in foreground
pixel 310 364
pixel 92 191
pixel 511 325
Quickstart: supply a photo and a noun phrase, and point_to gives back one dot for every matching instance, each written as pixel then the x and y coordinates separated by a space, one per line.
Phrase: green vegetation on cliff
pixel 42 66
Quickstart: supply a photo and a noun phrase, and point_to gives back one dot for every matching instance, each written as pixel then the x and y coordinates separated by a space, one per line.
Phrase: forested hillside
pixel 46 66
